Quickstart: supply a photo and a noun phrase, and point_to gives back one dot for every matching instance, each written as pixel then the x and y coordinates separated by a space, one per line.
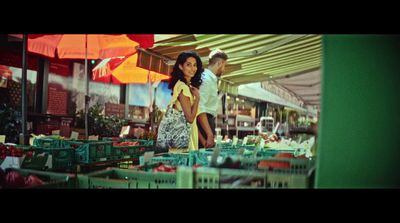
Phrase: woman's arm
pixel 189 111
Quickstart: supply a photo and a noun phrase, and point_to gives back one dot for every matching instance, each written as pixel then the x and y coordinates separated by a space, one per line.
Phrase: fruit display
pixel 156 167
pixel 33 180
pixel 13 179
pixel 252 140
pixel 284 155
pixel 127 143
pixel 11 150
pixel 272 164
pixel 165 168
pixel 299 149
pixel 235 166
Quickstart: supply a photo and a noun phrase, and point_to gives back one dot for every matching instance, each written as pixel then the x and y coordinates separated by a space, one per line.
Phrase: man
pixel 208 104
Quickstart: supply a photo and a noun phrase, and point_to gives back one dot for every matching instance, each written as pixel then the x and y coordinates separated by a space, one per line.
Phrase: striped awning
pixel 252 57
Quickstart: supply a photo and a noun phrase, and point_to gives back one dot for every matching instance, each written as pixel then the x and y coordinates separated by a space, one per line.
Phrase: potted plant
pixel 10 123
pixel 99 124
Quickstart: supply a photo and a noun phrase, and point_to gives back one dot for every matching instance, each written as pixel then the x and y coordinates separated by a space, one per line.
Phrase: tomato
pixel 284 155
pixel 273 164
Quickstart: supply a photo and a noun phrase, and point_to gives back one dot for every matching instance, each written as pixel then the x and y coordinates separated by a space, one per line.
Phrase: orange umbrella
pixel 82 46
pixel 73 46
pixel 124 70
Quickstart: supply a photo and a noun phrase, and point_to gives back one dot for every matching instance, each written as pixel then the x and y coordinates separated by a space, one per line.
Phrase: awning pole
pixel 151 99
pixel 24 137
pixel 87 93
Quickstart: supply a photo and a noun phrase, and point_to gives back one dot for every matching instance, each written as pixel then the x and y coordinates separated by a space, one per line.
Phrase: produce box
pixel 206 178
pixel 39 161
pixel 140 141
pixel 88 152
pixel 127 179
pixel 173 159
pixel 242 179
pixel 63 159
pixel 127 149
pixel 288 180
pixel 292 165
pixel 197 178
pixel 49 142
pixel 60 159
pixel 203 156
pixel 213 178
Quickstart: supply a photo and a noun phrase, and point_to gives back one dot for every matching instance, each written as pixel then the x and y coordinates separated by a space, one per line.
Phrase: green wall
pixel 359 140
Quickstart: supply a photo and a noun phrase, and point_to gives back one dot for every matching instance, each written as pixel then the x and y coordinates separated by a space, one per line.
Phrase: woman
pixel 185 83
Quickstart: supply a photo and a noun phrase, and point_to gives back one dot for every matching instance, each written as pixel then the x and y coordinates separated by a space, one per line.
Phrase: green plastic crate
pixel 114 139
pixel 245 179
pixel 82 181
pixel 143 168
pixel 126 152
pixel 48 142
pixel 35 162
pixel 185 159
pixel 117 178
pixel 63 159
pixel 296 165
pixel 149 180
pixel 184 177
pixel 173 159
pixel 203 156
pixel 167 160
pixel 206 178
pixel 213 178
pixel 200 178
pixel 92 152
pixel 141 141
pixel 108 178
pixel 226 146
pixel 288 180
pixel 248 147
pixel 242 179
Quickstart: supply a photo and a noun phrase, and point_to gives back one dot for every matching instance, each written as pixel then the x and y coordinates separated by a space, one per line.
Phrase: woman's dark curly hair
pixel 177 73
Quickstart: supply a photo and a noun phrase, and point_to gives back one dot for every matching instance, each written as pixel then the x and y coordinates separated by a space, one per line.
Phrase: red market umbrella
pixel 145 40
pixel 5 72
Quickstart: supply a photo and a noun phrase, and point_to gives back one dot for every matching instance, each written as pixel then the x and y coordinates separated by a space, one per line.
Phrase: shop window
pixel 11 77
pixel 102 93
pixel 59 88
pixel 11 82
pixel 67 87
